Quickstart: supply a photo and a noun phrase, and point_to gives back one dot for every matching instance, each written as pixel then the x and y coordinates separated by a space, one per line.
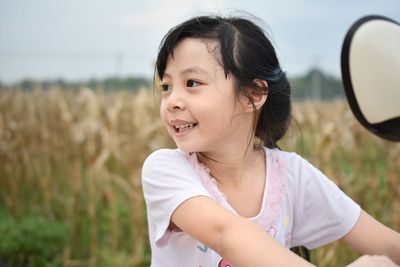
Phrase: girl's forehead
pixel 195 51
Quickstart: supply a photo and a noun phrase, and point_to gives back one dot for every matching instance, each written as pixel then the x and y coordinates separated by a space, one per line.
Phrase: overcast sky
pixel 81 39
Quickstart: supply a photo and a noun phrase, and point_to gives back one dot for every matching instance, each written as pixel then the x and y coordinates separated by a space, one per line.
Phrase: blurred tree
pixel 316 85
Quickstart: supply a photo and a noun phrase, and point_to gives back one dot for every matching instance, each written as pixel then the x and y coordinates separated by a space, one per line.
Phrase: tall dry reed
pixel 76 157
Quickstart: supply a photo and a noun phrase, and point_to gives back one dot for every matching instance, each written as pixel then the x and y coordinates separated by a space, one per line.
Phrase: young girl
pixel 220 199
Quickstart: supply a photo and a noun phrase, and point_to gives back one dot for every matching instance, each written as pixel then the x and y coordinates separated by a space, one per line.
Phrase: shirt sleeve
pixel 323 212
pixel 168 179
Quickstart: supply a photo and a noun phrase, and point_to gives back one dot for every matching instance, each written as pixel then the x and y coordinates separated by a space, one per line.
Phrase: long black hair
pixel 248 55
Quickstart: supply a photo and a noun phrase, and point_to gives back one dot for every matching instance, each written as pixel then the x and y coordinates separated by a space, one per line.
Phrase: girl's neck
pixel 231 167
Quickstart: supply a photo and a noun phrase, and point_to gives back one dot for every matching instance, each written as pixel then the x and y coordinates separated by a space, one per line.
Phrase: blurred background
pixel 78 116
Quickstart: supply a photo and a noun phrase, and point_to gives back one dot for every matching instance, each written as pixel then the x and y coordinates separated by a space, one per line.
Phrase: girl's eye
pixel 192 83
pixel 165 87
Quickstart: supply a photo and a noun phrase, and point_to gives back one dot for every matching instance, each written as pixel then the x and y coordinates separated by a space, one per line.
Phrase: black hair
pixel 248 55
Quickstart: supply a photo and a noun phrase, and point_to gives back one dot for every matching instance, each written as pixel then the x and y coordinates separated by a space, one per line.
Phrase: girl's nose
pixel 174 107
pixel 175 102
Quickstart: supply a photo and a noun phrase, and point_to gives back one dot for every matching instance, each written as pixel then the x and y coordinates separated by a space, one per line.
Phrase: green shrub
pixel 32 241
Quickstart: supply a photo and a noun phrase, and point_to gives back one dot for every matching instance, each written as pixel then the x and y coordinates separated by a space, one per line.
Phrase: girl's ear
pixel 256 95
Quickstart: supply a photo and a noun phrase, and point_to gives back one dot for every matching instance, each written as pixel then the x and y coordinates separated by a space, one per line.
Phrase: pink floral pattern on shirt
pixel 225 263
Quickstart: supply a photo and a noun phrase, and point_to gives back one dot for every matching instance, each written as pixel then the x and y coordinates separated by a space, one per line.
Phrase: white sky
pixel 81 39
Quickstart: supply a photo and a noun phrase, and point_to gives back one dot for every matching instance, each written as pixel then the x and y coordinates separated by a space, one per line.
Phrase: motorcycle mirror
pixel 370 63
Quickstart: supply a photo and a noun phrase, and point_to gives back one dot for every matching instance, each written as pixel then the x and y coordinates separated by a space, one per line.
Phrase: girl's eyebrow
pixel 189 70
pixel 195 69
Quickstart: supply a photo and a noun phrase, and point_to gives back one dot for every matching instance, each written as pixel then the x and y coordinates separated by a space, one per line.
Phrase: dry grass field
pixel 70 166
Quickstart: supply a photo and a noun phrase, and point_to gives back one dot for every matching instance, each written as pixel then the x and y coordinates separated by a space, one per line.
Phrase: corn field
pixel 74 157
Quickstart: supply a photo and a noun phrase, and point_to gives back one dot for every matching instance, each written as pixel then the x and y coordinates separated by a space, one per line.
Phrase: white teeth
pixel 184 126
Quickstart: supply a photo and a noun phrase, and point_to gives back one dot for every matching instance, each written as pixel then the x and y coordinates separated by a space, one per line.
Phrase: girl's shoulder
pixel 288 158
pixel 295 167
pixel 166 159
pixel 165 153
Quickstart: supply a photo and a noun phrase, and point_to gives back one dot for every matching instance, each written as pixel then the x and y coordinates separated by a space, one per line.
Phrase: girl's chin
pixel 186 148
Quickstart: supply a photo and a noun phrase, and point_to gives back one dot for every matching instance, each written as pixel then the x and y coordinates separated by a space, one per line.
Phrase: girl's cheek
pixel 163 119
pixel 162 110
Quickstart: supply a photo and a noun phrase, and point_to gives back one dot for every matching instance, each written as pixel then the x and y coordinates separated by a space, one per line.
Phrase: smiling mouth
pixel 184 127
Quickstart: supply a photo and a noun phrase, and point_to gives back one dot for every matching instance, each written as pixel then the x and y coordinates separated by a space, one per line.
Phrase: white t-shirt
pixel 301 206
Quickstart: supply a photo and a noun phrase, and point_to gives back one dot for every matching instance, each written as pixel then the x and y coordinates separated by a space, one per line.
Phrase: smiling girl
pixel 220 199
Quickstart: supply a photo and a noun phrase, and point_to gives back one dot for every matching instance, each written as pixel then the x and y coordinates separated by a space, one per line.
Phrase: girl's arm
pixel 373 261
pixel 237 239
pixel 244 243
pixel 369 236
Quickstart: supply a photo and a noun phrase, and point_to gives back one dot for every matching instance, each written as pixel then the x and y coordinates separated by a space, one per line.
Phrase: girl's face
pixel 199 106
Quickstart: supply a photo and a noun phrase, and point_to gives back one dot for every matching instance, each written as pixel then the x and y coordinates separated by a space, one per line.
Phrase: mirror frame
pixel 389 129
